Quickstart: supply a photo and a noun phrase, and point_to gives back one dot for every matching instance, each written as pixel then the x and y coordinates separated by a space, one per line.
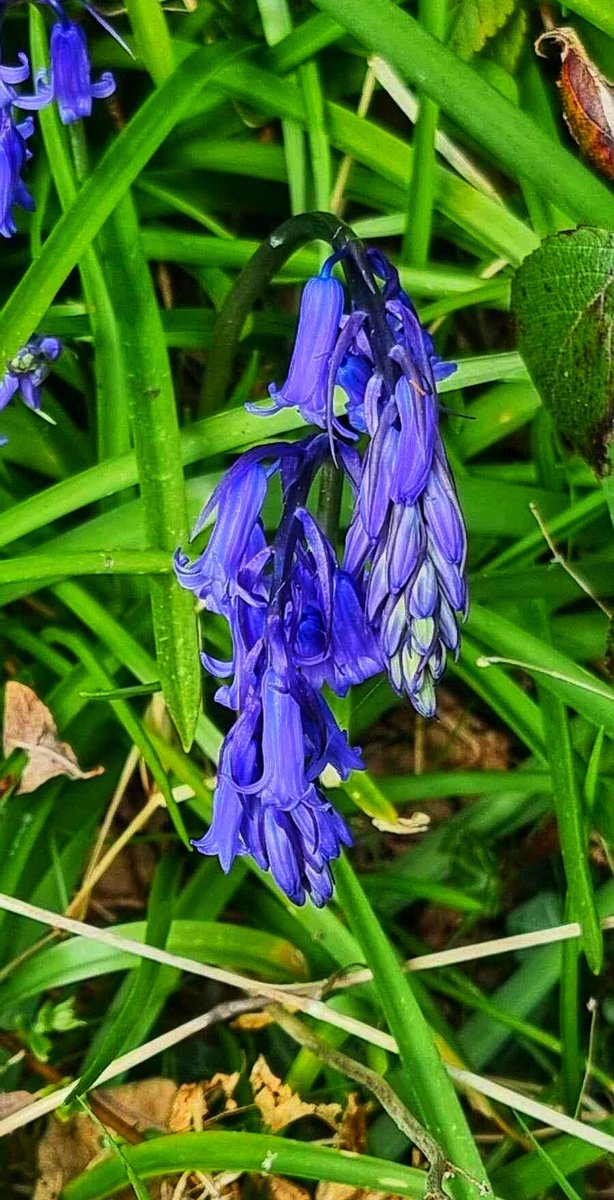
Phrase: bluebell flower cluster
pixel 27 372
pixel 282 603
pixel 300 616
pixel 68 83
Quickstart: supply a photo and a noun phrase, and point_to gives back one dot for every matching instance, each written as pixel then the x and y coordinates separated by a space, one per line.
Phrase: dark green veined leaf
pixel 563 298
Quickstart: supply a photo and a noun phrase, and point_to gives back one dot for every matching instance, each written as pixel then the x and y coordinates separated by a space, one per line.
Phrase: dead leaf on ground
pixel 191 1103
pixel 342 1191
pixel 28 725
pixel 11 1102
pixel 280 1188
pixel 352 1132
pixel 279 1106
pixel 68 1147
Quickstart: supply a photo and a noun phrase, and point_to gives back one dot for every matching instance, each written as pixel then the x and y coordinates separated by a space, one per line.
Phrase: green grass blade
pixel 39 567
pixel 516 142
pixel 416 241
pixel 155 429
pixel 116 171
pixel 260 1153
pixel 581 690
pixel 152 37
pixel 568 807
pixel 113 432
pixel 426 1079
pixel 144 979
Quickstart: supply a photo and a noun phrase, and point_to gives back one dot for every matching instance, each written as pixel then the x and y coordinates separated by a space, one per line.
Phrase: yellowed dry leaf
pixel 342 1191
pixel 227 1084
pixel 189 1109
pixel 28 725
pixel 191 1103
pixel 279 1106
pixel 255 1020
pixel 406 826
pixel 352 1132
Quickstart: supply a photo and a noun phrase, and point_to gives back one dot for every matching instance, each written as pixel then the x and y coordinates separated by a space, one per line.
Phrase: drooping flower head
pixel 298 617
pixel 282 603
pixel 27 371
pixel 406 546
pixel 71 73
pixel 407 540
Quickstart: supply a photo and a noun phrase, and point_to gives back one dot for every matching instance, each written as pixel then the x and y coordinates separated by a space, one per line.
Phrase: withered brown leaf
pixel 587 98
pixel 280 1106
pixel 28 725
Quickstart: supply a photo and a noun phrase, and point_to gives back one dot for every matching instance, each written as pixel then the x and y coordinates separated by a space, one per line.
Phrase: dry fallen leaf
pixel 68 1147
pixel 587 99
pixel 11 1102
pixel 280 1188
pixel 405 826
pixel 191 1103
pixel 255 1020
pixel 280 1106
pixel 28 725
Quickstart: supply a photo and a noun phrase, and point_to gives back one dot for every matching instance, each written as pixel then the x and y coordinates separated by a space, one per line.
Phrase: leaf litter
pixel 29 725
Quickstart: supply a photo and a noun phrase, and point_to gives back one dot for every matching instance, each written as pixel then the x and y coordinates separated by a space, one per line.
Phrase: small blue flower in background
pixel 27 372
pixel 14 153
pixel 71 81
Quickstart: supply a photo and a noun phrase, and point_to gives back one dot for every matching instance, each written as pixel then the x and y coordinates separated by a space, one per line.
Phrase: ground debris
pixel 29 725
pixel 68 1147
pixel 279 1106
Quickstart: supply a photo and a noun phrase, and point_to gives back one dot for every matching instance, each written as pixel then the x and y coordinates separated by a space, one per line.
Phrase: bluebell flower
pixel 14 152
pixel 27 371
pixel 284 604
pixel 407 541
pixel 71 76
pixel 268 802
pixel 215 575
pixel 10 97
pixel 309 384
pixel 13 156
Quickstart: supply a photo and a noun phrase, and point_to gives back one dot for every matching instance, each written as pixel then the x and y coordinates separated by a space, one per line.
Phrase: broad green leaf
pixel 507 45
pixel 205 941
pixel 563 298
pixel 473 22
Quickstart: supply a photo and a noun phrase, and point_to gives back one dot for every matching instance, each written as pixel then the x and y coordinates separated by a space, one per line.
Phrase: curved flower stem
pixel 439 1167
pixel 329 501
pixel 263 265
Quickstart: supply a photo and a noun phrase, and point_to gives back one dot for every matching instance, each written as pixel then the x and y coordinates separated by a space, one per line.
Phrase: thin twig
pixel 79 902
pixel 132 1058
pixel 439 1167
pixel 557 557
pixel 337 200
